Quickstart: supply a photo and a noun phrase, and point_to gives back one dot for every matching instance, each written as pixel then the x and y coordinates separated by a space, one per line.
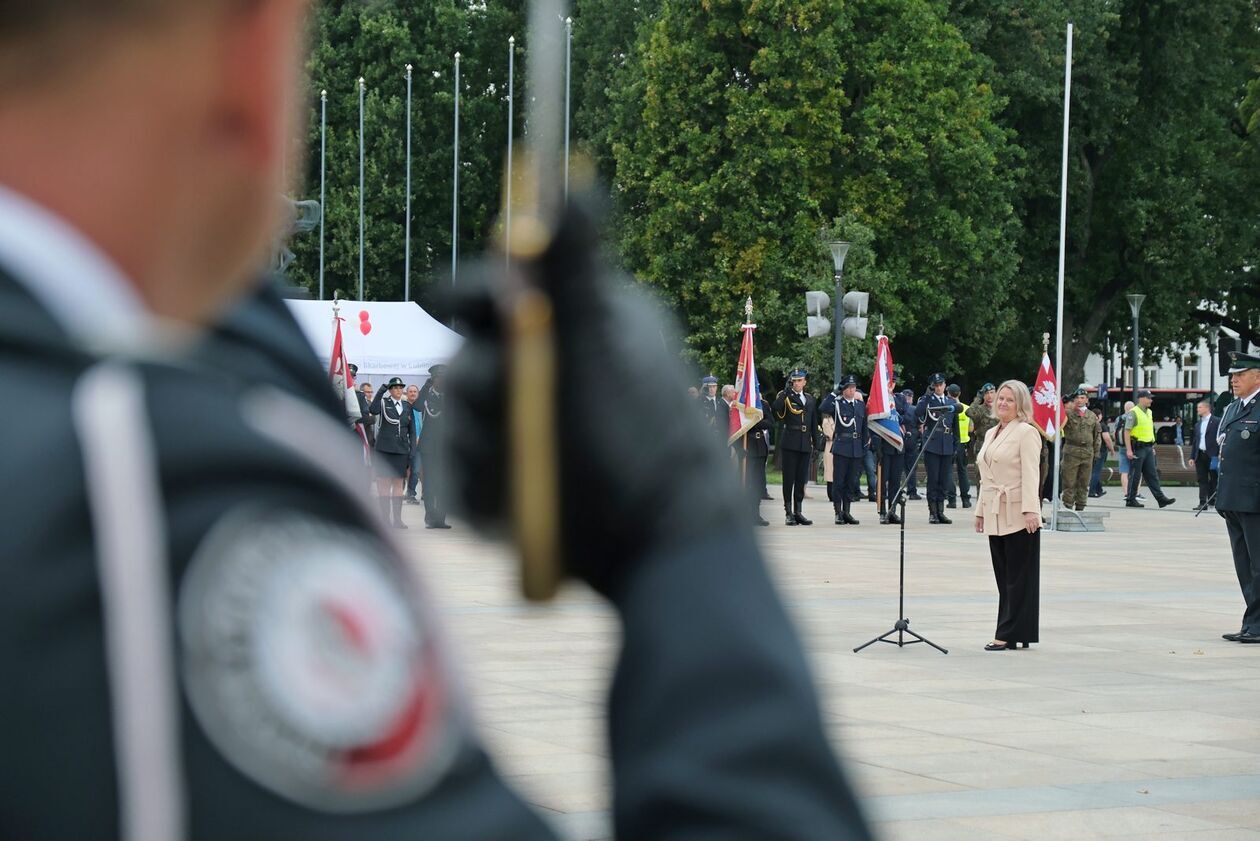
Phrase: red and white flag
pixel 1047 407
pixel 745 412
pixel 342 380
pixel 881 408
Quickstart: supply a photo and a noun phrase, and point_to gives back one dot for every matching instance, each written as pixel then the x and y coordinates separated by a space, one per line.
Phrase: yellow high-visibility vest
pixel 964 427
pixel 1144 426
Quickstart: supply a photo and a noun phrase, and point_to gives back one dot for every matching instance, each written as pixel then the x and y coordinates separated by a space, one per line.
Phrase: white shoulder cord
pixel 127 517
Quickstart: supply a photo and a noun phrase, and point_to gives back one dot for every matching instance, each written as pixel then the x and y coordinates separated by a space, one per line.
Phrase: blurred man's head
pixel 367 389
pixel 728 393
pixel 1204 408
pixel 155 128
pixel 413 393
pixel 692 391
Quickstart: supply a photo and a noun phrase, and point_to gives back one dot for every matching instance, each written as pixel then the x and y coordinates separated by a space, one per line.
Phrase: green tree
pixel 1162 200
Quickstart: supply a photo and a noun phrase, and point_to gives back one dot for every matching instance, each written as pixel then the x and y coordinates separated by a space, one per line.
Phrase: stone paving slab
pixel 1131 719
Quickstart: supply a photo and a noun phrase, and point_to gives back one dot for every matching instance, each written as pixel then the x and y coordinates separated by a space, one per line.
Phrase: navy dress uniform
pixel 1238 487
pixel 757 454
pixel 394 436
pixel 848 448
pixel 798 412
pixel 712 409
pixel 936 409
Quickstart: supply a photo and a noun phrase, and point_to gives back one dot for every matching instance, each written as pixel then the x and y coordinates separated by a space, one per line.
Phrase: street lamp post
pixel 1135 304
pixel 839 249
pixel 407 211
pixel 455 182
pixel 323 181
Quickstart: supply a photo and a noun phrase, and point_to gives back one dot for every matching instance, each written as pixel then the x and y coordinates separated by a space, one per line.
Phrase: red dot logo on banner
pixel 365 322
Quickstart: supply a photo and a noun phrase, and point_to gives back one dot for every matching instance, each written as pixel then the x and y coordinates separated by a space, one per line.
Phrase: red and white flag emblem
pixel 1047 407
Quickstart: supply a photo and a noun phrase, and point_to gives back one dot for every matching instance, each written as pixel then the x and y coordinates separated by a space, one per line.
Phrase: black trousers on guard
pixel 938 467
pixel 1207 479
pixel 1017 571
pixel 891 465
pixel 1244 541
pixel 795 474
pixel 908 456
pixel 434 492
pixel 845 473
pixel 755 482
pixel 1143 465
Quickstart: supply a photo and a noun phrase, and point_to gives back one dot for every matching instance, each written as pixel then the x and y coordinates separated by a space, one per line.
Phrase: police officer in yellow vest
pixel 960 454
pixel 1139 446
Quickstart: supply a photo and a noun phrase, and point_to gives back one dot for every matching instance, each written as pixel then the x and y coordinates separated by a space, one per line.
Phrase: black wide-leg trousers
pixel 1017 571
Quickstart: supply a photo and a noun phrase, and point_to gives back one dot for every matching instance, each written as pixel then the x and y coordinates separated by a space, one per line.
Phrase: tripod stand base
pixel 901 629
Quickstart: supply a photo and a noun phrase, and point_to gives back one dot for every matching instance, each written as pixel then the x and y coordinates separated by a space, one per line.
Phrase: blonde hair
pixel 1023 400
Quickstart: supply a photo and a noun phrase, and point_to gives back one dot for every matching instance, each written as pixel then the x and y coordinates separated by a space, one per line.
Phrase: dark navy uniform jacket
pixel 170 515
pixel 943 440
pixel 1238 488
pixel 851 438
pixel 799 415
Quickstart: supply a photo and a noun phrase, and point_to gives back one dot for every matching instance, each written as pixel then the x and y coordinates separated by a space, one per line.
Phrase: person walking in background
pixel 1082 438
pixel 1139 444
pixel 1122 454
pixel 1010 514
pixel 1108 447
pixel 1204 451
pixel 961 486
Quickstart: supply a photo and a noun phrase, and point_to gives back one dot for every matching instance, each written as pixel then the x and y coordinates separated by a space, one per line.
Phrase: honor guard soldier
pixel 394 437
pixel 797 410
pixel 963 487
pixel 936 412
pixel 758 452
pixel 711 408
pixel 1082 439
pixel 848 448
pixel 1238 488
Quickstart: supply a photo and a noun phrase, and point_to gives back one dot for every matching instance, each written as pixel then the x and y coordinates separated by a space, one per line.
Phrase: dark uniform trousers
pixel 1142 466
pixel 1207 479
pixel 1238 501
pixel 963 485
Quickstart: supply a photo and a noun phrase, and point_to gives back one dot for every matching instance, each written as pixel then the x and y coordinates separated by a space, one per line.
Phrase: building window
pixel 1150 377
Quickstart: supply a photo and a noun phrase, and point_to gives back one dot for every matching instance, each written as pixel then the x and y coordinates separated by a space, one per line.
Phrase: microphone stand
pixel 902 626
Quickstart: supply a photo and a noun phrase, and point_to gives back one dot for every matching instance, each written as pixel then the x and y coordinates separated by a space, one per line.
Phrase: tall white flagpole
pixel 1058 341
pixel 455 182
pixel 407 236
pixel 362 226
pixel 323 181
pixel 507 199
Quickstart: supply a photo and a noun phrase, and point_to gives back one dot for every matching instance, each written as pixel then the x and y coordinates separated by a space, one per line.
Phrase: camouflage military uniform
pixel 982 420
pixel 1082 438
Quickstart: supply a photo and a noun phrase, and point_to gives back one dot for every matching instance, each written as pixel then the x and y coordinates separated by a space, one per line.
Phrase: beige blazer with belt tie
pixel 1009 473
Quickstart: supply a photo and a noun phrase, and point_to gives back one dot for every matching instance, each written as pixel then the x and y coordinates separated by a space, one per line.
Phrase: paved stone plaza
pixel 1132 718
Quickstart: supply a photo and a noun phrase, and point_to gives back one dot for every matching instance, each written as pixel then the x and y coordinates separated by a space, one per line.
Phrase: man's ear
pixel 259 75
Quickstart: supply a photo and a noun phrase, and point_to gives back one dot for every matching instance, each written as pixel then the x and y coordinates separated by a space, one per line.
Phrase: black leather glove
pixel 636 473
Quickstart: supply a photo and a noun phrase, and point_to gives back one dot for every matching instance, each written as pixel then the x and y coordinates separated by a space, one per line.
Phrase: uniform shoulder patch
pixel 313 666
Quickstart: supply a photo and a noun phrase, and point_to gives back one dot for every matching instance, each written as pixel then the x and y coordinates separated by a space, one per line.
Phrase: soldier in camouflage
pixel 1082 439
pixel 980 413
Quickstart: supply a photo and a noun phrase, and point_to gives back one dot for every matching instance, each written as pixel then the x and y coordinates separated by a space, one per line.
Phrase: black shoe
pixel 933 518
pixel 870 497
pixel 1250 638
pixel 1005 646
pixel 801 521
pixel 848 518
pixel 1166 501
pixel 767 496
pixel 1102 492
pixel 941 518
pixel 839 519
pixel 966 502
pixel 791 519
pixel 891 519
pixel 913 495
pixel 411 500
pixel 1133 503
pixel 1093 495
pixel 762 521
pixel 1234 637
pixel 437 525
pixel 953 503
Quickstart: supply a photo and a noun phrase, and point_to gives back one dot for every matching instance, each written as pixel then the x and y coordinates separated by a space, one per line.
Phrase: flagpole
pixel 362 91
pixel 323 180
pixel 568 51
pixel 507 199
pixel 1058 342
pixel 455 181
pixel 407 238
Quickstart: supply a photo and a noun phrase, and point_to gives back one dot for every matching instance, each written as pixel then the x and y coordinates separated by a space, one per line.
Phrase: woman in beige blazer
pixel 1009 512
